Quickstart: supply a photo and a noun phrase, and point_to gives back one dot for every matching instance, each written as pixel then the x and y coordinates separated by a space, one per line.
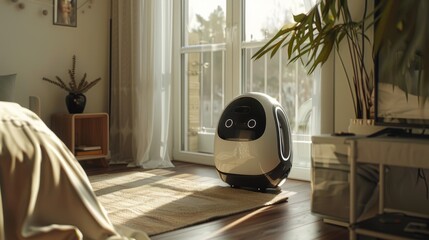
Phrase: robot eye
pixel 251 123
pixel 228 123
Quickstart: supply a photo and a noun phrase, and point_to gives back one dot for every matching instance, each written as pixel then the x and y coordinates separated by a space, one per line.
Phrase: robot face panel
pixel 242 120
pixel 253 142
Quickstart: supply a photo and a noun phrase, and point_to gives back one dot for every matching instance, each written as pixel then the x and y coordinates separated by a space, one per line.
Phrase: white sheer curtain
pixel 141 83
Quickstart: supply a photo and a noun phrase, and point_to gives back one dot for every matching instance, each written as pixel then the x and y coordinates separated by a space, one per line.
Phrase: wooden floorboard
pixel 290 220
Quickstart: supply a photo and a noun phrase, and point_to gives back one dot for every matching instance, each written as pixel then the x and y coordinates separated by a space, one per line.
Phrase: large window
pixel 218 40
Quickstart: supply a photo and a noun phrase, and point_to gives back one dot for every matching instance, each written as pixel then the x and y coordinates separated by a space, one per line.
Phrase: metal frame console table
pixel 385 151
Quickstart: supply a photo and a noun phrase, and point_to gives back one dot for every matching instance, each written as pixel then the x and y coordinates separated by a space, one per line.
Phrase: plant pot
pixel 363 126
pixel 75 102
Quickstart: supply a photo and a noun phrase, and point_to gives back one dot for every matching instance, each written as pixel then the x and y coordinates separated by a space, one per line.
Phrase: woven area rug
pixel 158 203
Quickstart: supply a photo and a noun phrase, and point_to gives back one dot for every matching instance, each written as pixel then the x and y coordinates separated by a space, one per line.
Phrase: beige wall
pixel 32 47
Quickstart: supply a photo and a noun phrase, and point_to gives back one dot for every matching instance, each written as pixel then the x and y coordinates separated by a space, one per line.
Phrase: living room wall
pixel 33 47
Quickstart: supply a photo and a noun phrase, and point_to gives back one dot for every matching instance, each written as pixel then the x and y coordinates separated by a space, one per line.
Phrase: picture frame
pixel 65 13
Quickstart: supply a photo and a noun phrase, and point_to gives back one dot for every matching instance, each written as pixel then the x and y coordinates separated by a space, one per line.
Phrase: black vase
pixel 75 102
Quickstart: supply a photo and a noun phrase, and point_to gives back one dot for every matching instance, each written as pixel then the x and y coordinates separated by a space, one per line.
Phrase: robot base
pixel 270 180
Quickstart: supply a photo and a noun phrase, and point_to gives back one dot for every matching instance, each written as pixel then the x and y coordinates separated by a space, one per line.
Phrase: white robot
pixel 252 146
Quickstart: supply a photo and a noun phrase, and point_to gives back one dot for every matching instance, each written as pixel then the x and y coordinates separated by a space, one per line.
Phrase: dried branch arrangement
pixel 73 86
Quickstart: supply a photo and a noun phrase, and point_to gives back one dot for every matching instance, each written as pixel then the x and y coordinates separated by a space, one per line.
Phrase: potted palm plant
pixel 329 24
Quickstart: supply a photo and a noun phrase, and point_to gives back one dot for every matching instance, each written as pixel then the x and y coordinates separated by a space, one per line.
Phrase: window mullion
pixel 211 89
pixel 265 73
pixel 280 80
pixel 251 71
pixel 228 52
pixel 236 7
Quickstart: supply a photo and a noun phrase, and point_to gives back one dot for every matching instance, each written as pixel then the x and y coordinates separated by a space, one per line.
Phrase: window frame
pixel 234 41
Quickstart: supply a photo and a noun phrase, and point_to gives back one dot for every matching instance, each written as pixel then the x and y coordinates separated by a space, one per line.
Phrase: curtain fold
pixel 141 83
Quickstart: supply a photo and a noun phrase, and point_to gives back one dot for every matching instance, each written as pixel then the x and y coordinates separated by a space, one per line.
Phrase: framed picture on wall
pixel 65 12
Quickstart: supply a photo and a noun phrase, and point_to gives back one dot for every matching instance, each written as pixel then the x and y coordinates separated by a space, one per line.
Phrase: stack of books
pixel 83 150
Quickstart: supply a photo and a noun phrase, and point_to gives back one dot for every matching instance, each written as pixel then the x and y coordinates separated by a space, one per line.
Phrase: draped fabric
pixel 44 192
pixel 141 83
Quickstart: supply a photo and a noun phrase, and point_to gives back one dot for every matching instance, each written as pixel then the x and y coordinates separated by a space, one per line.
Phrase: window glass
pixel 288 83
pixel 263 18
pixel 206 50
pixel 205 21
pixel 203 71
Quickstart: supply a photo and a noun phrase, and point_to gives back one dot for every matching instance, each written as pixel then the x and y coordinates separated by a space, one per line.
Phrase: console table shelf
pixel 391 226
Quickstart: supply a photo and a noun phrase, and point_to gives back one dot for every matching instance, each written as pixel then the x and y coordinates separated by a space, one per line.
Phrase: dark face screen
pixel 242 120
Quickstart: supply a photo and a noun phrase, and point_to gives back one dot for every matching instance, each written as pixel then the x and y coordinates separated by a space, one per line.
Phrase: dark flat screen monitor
pixel 400 98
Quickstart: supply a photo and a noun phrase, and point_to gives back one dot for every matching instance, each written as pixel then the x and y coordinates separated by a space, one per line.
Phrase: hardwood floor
pixel 290 220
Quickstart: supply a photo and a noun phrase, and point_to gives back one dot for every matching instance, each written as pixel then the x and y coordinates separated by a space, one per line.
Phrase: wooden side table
pixel 85 129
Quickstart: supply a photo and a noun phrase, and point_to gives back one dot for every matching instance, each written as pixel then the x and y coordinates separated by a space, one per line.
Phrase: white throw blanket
pixel 45 194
